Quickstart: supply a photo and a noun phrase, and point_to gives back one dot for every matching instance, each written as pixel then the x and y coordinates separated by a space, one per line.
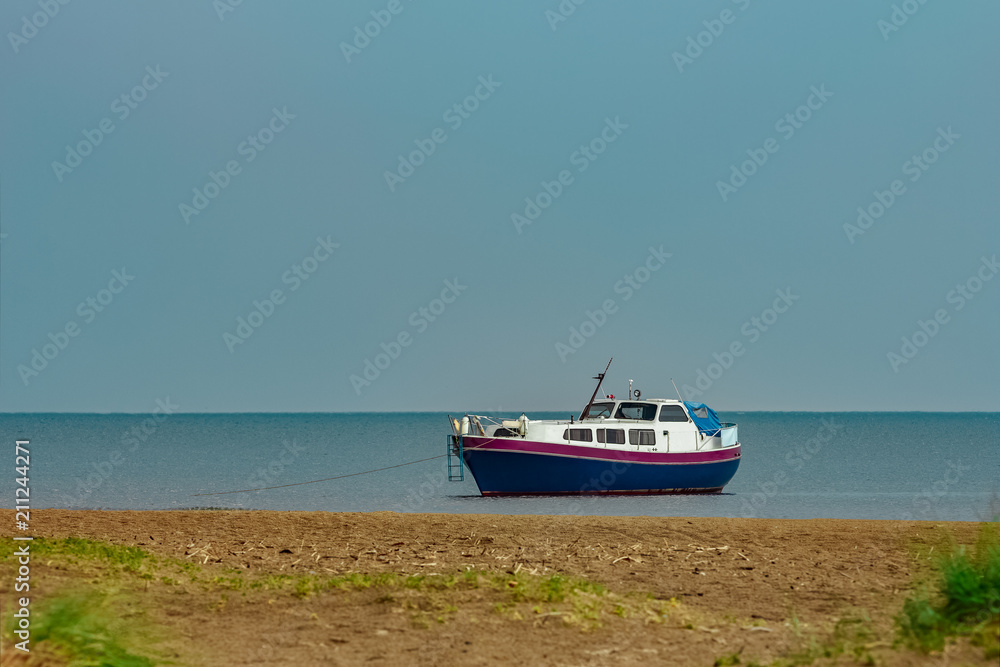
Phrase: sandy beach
pixel 464 589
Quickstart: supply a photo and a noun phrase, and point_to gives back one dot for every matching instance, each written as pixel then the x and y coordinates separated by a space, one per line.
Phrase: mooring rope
pixel 353 474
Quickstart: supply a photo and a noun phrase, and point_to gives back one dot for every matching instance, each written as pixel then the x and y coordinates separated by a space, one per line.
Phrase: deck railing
pixel 726 436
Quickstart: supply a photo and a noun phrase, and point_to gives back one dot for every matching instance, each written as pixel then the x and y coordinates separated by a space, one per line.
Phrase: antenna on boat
pixel 600 378
pixel 677 390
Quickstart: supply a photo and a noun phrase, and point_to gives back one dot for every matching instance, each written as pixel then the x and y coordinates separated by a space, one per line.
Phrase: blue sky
pixel 742 158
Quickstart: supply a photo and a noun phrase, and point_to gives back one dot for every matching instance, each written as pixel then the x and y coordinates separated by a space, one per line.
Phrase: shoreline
pixel 209 508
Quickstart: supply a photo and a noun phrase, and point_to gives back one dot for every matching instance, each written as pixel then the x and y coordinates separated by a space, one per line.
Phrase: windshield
pixel 636 411
pixel 601 410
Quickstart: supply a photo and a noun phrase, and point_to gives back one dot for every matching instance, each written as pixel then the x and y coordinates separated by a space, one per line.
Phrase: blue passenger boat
pixel 616 446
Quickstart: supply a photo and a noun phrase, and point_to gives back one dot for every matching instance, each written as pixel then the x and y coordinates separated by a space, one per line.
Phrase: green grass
pixel 728 660
pixel 582 602
pixel 964 599
pixel 130 559
pixel 94 627
pixel 83 628
pixel 88 629
pixel 852 636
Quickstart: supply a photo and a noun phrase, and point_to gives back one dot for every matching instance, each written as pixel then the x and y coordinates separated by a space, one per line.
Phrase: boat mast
pixel 600 378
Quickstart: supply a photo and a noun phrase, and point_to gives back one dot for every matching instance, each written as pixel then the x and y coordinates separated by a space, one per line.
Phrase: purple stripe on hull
pixel 599 453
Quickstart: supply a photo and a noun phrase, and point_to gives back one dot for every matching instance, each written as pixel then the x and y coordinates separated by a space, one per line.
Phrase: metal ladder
pixel 456 468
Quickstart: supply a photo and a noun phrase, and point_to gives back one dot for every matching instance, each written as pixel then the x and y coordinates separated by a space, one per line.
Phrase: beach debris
pixel 631 559
pixel 201 551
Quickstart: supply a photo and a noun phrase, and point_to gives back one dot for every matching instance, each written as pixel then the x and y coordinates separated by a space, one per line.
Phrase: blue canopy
pixel 704 418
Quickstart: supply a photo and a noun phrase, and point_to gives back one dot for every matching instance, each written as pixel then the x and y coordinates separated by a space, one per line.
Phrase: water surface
pixel 929 466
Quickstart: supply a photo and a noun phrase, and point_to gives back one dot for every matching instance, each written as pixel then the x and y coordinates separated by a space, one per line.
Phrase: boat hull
pixel 504 466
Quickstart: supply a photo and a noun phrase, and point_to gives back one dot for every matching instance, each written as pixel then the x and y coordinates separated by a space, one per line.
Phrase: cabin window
pixel 611 436
pixel 644 411
pixel 701 413
pixel 672 413
pixel 641 436
pixel 578 434
pixel 601 410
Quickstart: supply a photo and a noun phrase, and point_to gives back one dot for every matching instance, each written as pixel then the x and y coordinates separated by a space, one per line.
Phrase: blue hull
pixel 516 473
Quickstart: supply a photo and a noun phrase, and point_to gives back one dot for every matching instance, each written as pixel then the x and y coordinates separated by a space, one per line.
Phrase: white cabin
pixel 648 424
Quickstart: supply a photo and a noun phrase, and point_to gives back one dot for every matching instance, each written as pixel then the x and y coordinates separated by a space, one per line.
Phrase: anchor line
pixel 353 474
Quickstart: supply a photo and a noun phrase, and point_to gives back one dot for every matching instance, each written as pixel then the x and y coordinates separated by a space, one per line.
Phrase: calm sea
pixel 795 465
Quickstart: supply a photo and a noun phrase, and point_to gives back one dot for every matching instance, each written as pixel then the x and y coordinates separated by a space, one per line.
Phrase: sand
pixel 758 588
